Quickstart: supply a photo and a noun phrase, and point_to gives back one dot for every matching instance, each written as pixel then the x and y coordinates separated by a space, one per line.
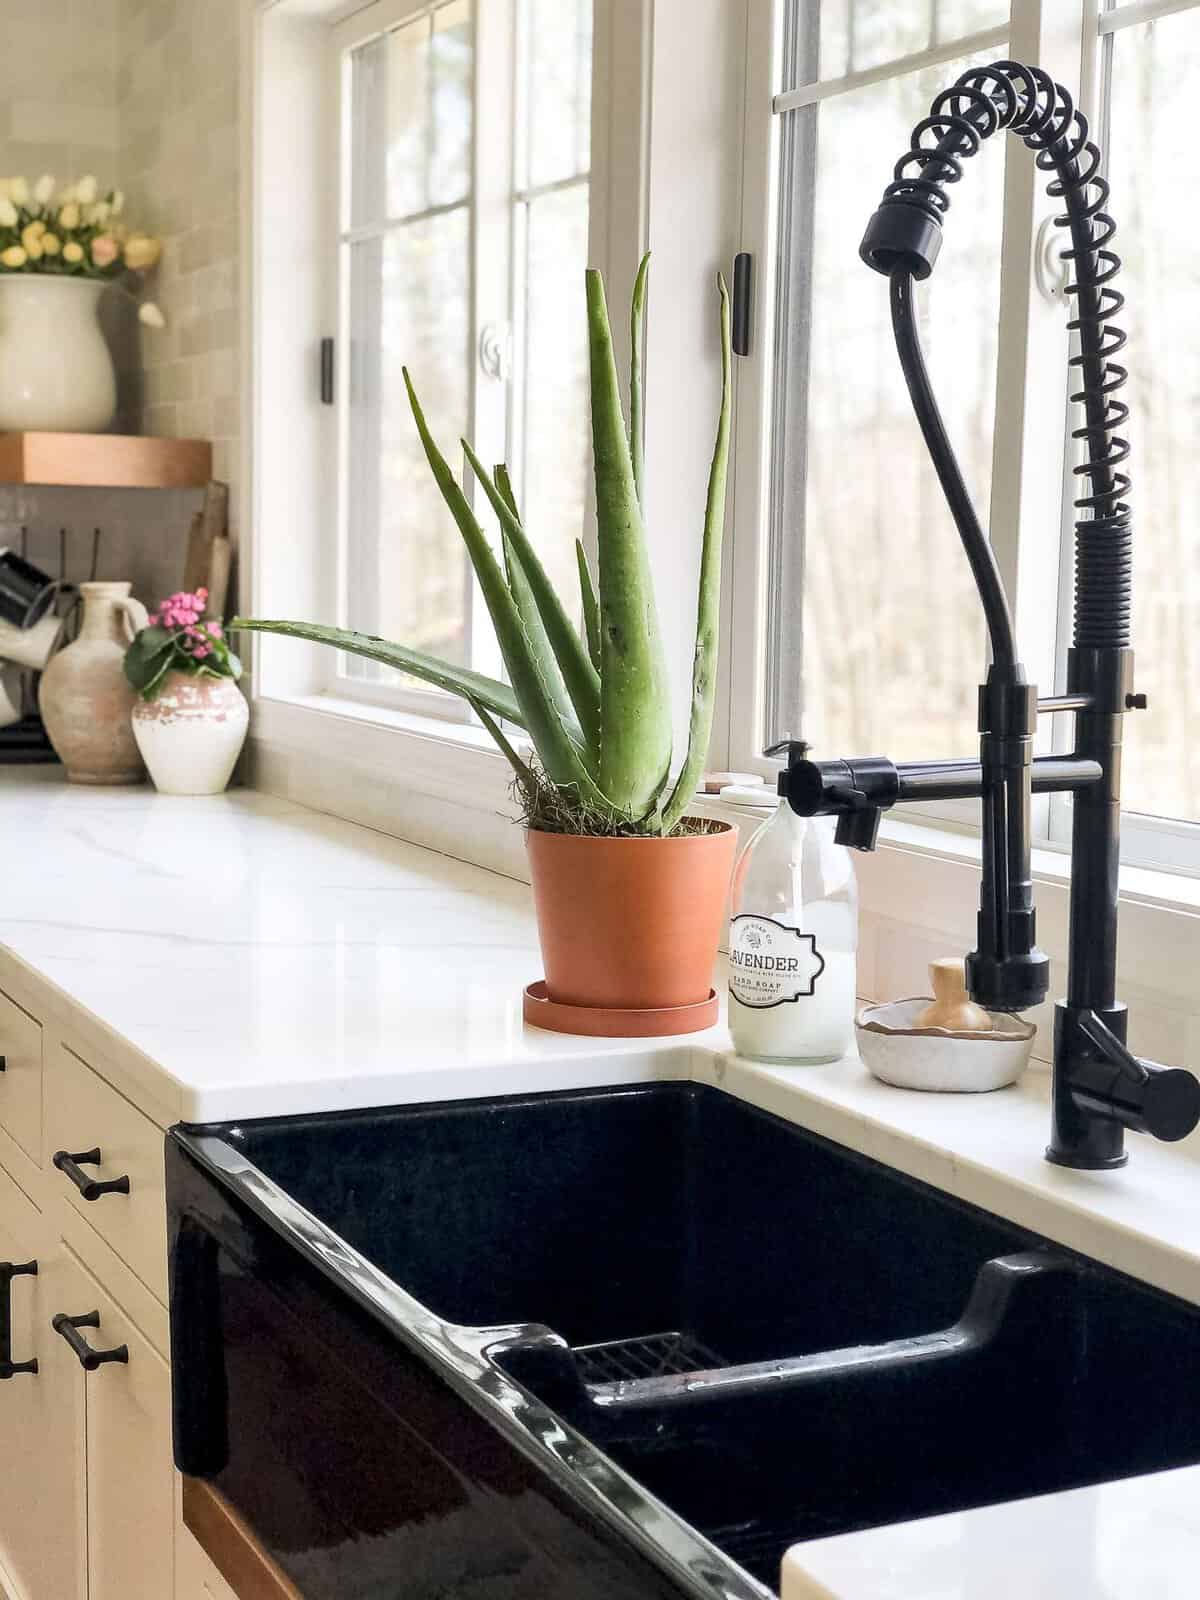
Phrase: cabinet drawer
pixel 84 1114
pixel 130 1480
pixel 21 1080
pixel 42 1522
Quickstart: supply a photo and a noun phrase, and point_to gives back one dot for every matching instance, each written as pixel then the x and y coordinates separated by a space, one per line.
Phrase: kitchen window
pixel 870 637
pixel 463 234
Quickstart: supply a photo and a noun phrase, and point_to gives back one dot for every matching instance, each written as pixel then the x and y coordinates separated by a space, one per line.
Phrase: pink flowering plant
pixel 178 639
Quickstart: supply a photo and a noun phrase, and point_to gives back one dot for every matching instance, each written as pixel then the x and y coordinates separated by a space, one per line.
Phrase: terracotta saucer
pixel 602 1022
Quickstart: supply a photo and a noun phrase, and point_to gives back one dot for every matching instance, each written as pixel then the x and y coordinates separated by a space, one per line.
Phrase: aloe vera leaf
pixel 557 751
pixel 591 606
pixel 637 425
pixel 489 692
pixel 635 705
pixel 569 653
pixel 531 617
pixel 504 484
pixel 708 610
pixel 522 769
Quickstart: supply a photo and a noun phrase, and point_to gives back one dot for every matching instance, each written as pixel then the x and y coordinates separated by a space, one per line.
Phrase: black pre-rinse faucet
pixel 1100 1089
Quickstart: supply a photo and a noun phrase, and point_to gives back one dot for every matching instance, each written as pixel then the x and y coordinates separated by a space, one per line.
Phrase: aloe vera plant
pixel 595 704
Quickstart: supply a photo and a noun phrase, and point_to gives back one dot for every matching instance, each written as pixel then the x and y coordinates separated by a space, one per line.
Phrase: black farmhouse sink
pixel 627 1342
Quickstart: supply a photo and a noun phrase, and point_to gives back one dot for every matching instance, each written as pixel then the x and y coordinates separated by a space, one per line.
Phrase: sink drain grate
pixel 658 1355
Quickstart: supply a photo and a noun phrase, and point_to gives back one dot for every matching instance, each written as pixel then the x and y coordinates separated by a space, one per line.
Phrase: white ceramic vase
pixel 191 733
pixel 56 371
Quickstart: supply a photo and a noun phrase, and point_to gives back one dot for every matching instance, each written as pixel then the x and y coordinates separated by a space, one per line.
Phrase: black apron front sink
pixel 624 1343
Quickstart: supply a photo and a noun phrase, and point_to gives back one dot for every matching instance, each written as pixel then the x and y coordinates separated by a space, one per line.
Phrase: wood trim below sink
pixel 231 1547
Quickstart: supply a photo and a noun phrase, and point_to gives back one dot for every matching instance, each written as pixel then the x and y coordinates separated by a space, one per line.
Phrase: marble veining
pixel 267 958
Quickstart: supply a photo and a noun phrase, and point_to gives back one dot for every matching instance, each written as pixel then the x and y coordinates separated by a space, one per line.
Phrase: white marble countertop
pixel 242 956
pixel 1138 1539
pixel 265 959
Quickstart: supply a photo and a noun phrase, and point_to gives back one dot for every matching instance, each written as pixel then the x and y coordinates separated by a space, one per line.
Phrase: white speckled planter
pixel 191 734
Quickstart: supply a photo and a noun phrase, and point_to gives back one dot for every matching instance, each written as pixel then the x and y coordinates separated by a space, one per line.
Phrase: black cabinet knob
pixel 89 1188
pixel 8 1271
pixel 67 1328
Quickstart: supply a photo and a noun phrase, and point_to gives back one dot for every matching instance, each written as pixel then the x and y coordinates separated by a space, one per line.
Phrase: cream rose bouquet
pixel 76 231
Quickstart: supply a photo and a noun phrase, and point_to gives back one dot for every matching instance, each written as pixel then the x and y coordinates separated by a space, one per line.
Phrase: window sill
pixel 364 713
pixel 441 785
pixel 459 761
pixel 1169 891
pixel 446 760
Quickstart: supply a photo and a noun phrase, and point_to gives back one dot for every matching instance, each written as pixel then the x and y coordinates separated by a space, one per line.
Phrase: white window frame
pixel 426 777
pixel 1065 37
pixel 679 183
pixel 494 404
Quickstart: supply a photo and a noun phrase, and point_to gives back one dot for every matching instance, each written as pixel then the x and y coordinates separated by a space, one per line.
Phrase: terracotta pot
pixel 630 924
pixel 191 733
pixel 86 699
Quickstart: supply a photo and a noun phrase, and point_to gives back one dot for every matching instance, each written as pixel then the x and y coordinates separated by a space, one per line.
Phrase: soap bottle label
pixel 771 964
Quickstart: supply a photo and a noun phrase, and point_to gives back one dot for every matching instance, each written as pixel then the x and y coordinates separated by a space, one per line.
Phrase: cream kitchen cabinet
pixel 42 1413
pixel 129 1478
pixel 87 1484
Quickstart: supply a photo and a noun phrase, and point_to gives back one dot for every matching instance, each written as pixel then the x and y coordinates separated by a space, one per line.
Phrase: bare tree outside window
pixel 879 637
pixel 408 243
pixel 1154 165
pixel 875 639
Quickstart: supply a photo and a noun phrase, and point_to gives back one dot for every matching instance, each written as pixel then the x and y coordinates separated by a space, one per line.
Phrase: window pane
pixel 1155 162
pixel 554 383
pixel 550 428
pixel 557 38
pixel 877 638
pixel 411 120
pixel 838 37
pixel 406 572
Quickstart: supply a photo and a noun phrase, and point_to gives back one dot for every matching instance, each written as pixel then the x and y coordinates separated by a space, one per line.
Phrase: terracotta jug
pixel 86 700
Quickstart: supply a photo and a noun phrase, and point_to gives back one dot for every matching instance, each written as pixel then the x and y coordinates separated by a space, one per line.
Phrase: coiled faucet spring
pixel 1028 102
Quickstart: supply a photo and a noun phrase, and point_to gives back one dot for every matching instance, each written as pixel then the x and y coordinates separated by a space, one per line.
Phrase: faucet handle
pixel 858 828
pixel 1111 1048
pixel 1142 1095
pixel 794 749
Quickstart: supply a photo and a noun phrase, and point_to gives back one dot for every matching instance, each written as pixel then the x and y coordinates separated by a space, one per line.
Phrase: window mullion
pixel 340 66
pixel 1031 375
pixel 491 267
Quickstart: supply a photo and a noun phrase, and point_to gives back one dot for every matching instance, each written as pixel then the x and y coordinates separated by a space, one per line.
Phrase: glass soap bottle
pixel 793 942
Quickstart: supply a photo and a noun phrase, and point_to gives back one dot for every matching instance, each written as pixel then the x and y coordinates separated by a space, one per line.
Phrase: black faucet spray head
pixel 902 234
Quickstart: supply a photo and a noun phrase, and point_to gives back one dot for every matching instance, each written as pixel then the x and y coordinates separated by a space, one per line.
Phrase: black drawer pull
pixel 89 1188
pixel 89 1359
pixel 3 1063
pixel 8 1271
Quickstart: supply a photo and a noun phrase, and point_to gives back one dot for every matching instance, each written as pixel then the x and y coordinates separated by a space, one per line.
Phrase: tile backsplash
pixel 58 87
pixel 177 94
pixel 143 93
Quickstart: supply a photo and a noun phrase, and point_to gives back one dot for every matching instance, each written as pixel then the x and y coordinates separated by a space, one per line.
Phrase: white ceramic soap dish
pixel 908 1042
